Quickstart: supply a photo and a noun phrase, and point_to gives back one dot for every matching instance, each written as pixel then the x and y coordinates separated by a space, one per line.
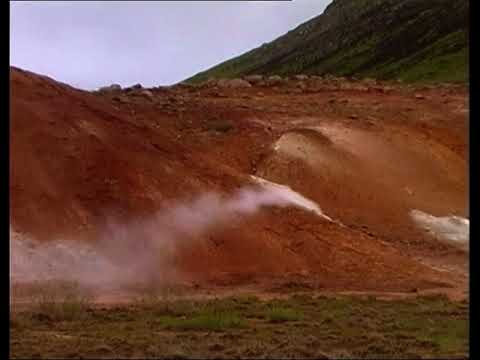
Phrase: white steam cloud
pixel 142 250
pixel 453 230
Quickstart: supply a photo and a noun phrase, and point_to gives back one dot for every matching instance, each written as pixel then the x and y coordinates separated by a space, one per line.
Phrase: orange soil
pixel 366 154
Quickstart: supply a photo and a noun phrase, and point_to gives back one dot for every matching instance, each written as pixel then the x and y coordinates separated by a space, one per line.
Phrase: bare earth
pixel 366 153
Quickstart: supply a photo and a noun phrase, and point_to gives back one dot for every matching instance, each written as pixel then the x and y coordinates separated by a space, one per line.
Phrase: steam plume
pixel 136 251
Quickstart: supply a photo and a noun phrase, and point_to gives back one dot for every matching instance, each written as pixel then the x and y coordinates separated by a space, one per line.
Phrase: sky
pixel 89 44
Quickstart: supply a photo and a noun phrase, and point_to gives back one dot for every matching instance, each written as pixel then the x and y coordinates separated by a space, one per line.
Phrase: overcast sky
pixel 91 44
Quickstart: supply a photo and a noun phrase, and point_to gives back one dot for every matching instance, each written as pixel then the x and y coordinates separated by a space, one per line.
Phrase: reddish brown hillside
pixel 366 153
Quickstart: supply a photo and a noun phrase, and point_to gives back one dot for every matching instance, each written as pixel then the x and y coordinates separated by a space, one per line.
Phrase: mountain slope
pixel 406 39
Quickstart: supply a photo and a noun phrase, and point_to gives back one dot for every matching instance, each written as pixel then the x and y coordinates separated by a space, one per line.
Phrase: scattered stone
pixel 113 87
pixel 103 349
pixel 220 125
pixel 419 97
pixel 210 83
pixel 301 85
pixel 260 94
pixel 121 99
pixel 354 117
pixel 147 93
pixel 274 80
pixel 233 83
pixel 254 79
pixel 370 81
pixel 301 77
pixel 217 347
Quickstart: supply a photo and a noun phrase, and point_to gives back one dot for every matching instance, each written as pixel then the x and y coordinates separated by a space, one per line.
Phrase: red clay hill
pixel 368 153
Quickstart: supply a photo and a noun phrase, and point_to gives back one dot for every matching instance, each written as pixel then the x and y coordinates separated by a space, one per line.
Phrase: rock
pixel 274 80
pixel 133 88
pixel 254 79
pixel 113 87
pixel 301 77
pixel 419 97
pixel 147 93
pixel 370 81
pixel 220 125
pixel 209 83
pixel 217 347
pixel 103 349
pixel 301 85
pixel 233 83
pixel 121 99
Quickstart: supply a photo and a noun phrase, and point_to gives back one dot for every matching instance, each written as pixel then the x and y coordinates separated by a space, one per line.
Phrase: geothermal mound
pixel 122 172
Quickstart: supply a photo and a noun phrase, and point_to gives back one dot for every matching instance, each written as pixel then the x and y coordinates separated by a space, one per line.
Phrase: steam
pixel 143 250
pixel 454 230
pixel 294 198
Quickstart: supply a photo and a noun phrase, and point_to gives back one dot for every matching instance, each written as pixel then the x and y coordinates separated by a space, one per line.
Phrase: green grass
pixel 59 301
pixel 277 314
pixel 353 47
pixel 212 320
pixel 244 326
pixel 446 60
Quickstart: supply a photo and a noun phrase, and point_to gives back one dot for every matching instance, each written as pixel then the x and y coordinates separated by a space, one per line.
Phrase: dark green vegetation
pixel 242 327
pixel 410 40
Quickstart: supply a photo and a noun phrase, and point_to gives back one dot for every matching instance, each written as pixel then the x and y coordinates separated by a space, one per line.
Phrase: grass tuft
pixel 61 301
pixel 212 320
pixel 277 314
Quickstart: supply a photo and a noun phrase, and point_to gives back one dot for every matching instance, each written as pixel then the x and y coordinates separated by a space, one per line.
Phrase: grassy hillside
pixel 412 40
